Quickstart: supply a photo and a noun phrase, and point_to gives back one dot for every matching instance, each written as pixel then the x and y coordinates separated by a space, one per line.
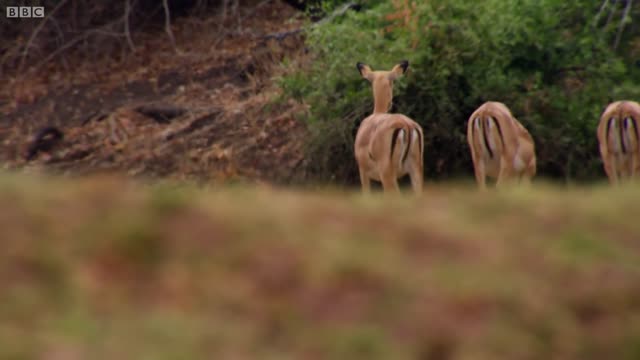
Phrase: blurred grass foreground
pixel 108 269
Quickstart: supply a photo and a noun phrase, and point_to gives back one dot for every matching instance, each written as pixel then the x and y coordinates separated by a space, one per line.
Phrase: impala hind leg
pixel 416 174
pixel 365 181
pixel 389 180
pixel 529 173
pixel 505 174
pixel 610 169
pixel 481 175
pixel 390 184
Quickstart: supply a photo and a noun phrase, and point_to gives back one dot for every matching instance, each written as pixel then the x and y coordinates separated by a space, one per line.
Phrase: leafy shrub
pixel 550 61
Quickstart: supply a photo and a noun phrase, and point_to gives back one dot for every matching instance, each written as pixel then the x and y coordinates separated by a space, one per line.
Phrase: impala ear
pixel 365 71
pixel 399 69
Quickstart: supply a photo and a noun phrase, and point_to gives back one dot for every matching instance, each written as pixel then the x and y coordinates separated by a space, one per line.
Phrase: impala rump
pixel 619 139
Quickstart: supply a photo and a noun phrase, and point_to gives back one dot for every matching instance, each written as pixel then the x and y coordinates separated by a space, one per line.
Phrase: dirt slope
pixel 222 75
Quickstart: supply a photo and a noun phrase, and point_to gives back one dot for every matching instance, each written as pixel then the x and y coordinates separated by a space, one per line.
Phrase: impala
pixel 618 137
pixel 388 146
pixel 500 146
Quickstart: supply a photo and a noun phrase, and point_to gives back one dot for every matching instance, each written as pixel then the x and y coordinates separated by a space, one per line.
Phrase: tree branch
pixel 602 7
pixel 127 32
pixel 167 23
pixel 613 10
pixel 627 9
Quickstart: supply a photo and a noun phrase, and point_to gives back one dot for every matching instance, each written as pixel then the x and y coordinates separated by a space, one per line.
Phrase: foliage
pixel 548 60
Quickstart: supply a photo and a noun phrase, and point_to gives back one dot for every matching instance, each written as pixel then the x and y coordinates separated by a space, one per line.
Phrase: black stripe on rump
pixel 499 133
pixel 621 131
pixel 394 136
pixel 406 150
pixel 485 127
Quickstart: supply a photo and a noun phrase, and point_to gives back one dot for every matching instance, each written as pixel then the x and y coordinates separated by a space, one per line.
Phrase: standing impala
pixel 500 146
pixel 618 137
pixel 388 146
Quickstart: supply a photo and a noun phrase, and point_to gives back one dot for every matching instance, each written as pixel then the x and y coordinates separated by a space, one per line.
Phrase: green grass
pixel 104 268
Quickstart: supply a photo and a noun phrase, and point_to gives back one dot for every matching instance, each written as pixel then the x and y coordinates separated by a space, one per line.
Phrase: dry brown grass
pixel 105 268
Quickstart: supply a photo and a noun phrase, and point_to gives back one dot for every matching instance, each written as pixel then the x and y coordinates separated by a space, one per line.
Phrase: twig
pixel 127 32
pixel 167 23
pixel 613 10
pixel 255 9
pixel 234 12
pixel 339 12
pixel 602 7
pixel 627 9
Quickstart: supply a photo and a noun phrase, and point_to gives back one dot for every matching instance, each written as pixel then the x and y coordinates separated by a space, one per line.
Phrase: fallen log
pixel 162 113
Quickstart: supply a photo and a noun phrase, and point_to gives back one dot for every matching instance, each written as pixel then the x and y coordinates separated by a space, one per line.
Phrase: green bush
pixel 550 61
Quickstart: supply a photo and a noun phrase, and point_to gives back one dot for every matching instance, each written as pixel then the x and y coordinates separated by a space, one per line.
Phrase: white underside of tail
pixel 614 137
pixel 629 138
pixel 492 143
pixel 402 146
pixel 625 139
pixel 415 136
pixel 480 133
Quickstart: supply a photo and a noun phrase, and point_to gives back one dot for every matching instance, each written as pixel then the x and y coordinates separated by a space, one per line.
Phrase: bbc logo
pixel 25 11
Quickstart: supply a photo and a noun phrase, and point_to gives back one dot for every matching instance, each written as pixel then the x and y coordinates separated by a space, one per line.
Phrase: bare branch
pixel 602 7
pixel 254 10
pixel 627 9
pixel 167 23
pixel 613 10
pixel 127 31
pixel 339 12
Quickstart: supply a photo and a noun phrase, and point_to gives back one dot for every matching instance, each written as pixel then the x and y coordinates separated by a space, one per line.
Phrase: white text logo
pixel 25 11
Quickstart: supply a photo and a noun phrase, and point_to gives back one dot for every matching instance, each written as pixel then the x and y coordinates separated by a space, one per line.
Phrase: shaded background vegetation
pixel 555 63
pixel 94 29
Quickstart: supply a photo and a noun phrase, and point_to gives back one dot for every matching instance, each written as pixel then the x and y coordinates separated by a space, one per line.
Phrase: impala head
pixel 382 83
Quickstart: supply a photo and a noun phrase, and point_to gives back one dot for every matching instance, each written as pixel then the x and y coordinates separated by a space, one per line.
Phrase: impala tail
pixel 622 135
pixel 403 138
pixel 482 132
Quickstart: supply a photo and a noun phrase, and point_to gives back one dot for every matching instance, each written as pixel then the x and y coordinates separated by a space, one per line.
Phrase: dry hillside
pixel 219 83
